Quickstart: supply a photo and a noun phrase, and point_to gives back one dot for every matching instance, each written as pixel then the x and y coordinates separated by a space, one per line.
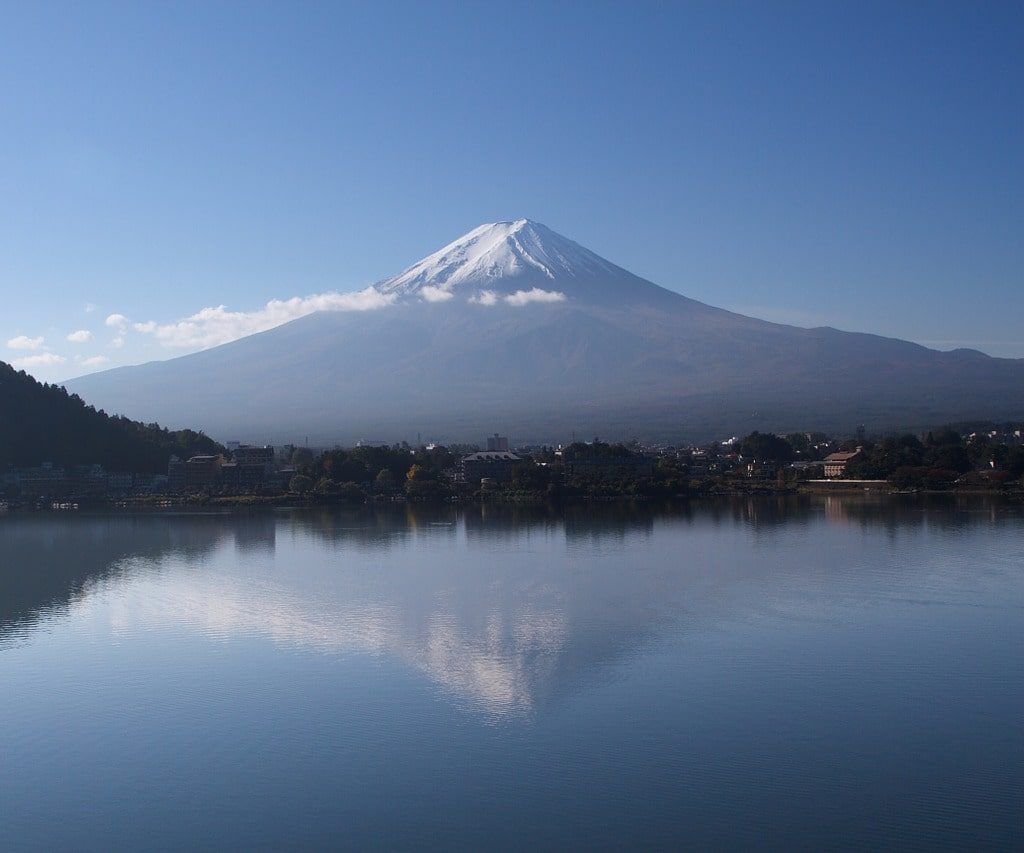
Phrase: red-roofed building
pixel 835 463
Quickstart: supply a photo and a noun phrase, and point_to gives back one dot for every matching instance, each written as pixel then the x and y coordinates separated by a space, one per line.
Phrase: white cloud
pixel 118 342
pixel 82 336
pixel 92 361
pixel 523 297
pixel 117 321
pixel 485 297
pixel 44 359
pixel 213 326
pixel 519 298
pixel 89 307
pixel 25 342
pixel 435 294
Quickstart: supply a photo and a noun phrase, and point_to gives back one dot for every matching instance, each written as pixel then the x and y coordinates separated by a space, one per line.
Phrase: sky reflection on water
pixel 718 656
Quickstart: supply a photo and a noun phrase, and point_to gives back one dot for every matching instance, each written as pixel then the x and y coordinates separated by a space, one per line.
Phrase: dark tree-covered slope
pixel 45 423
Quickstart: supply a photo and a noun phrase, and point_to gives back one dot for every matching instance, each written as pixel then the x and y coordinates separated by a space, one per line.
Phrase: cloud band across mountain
pixel 518 298
pixel 217 325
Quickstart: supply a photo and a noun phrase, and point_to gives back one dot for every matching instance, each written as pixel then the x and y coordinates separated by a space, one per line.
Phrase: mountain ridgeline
pixel 514 327
pixel 44 423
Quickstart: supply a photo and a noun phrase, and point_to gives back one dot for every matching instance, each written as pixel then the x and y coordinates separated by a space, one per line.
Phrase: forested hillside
pixel 44 423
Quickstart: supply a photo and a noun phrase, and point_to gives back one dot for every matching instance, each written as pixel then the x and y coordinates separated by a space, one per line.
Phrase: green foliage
pixel 923 477
pixel 342 467
pixel 881 460
pixel 44 423
pixel 324 486
pixel 597 451
pixel 422 482
pixel 302 457
pixel 381 469
pixel 765 447
pixel 384 482
pixel 941 459
pixel 347 492
pixel 530 477
pixel 799 442
pixel 1011 460
pixel 437 459
pixel 300 484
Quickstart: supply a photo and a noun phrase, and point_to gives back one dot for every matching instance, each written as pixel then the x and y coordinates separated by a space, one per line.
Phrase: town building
pixel 699 463
pixel 835 463
pixel 493 465
pixel 88 480
pixel 763 471
pixel 44 481
pixel 247 454
pixel 497 443
pixel 176 477
pixel 242 477
pixel 807 470
pixel 203 472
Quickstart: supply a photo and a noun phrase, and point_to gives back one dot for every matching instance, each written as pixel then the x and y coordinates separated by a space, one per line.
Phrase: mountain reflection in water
pixel 504 607
pixel 791 673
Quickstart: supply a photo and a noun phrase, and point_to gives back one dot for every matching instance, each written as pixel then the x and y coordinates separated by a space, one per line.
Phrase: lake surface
pixel 774 673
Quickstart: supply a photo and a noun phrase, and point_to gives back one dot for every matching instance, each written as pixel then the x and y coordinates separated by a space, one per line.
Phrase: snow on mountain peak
pixel 501 258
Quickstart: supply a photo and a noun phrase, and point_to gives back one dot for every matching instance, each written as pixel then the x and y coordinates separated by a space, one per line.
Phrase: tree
pixel 44 423
pixel 529 477
pixel 765 447
pixel 950 457
pixel 597 450
pixel 384 482
pixel 325 486
pixel 300 484
pixel 420 482
pixel 302 457
pixel 799 442
pixel 1015 461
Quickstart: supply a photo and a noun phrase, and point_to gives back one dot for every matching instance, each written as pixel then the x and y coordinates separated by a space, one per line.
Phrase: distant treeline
pixel 361 472
pixel 44 423
pixel 939 458
pixel 381 470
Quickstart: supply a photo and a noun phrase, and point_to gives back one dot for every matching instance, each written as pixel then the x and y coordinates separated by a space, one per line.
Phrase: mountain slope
pixel 515 327
pixel 43 423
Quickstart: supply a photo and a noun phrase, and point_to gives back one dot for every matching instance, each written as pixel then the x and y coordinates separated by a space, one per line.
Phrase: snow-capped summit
pixel 504 258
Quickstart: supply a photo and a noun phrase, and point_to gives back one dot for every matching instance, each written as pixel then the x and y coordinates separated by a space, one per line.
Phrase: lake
pixel 782 673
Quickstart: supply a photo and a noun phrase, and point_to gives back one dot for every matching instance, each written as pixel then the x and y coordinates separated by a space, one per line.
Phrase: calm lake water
pixel 773 673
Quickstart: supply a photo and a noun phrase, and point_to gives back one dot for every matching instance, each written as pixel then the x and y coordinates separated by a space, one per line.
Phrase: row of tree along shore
pixel 982 457
pixel 990 458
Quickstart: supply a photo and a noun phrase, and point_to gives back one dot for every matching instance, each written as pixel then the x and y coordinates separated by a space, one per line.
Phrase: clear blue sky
pixel 860 166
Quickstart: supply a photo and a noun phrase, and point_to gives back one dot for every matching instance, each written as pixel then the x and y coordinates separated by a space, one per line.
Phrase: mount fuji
pixel 513 327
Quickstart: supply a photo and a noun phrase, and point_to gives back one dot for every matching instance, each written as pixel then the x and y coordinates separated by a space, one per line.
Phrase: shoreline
pixel 294 501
